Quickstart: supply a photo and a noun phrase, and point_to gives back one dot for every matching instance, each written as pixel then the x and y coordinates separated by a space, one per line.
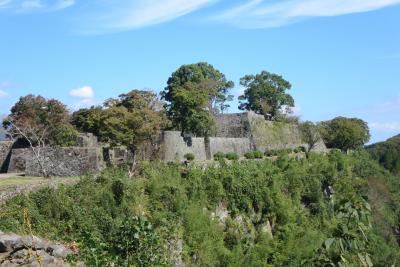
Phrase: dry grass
pixel 26 180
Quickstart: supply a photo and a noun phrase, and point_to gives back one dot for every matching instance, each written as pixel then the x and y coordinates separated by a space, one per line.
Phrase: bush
pixel 219 156
pixel 249 155
pixel 278 152
pixel 189 156
pixel 302 149
pixel 232 156
pixel 258 154
pixel 254 155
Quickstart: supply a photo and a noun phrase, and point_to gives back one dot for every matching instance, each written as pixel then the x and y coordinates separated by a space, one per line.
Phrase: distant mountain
pixel 387 153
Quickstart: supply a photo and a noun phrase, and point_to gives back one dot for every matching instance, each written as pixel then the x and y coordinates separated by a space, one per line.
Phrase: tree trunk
pixel 41 164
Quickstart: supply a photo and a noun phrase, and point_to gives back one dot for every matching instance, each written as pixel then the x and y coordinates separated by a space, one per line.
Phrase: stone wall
pixel 18 159
pixel 225 145
pixel 73 161
pixel 234 125
pixel 175 146
pixel 5 153
pixel 86 140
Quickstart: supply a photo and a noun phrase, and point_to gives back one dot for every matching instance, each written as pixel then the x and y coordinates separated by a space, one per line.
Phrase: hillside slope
pixel 387 153
pixel 327 209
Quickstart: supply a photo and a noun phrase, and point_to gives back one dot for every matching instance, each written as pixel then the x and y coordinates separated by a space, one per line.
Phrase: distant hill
pixel 387 153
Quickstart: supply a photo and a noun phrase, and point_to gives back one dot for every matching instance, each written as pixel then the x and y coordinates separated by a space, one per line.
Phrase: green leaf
pixel 329 242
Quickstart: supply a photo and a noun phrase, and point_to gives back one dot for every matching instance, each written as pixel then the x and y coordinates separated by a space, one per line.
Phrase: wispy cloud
pixel 82 92
pixel 109 16
pixel 391 106
pixel 3 94
pixel 3 87
pixel 35 5
pixel 386 126
pixel 264 14
pixel 85 95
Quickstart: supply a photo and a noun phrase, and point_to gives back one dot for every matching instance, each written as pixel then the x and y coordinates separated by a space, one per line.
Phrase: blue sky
pixel 341 56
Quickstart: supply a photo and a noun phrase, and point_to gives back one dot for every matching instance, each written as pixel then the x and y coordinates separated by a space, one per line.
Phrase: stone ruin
pixel 238 132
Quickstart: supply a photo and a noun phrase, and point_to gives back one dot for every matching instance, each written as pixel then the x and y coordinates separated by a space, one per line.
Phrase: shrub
pixel 302 149
pixel 189 156
pixel 258 154
pixel 249 155
pixel 232 156
pixel 219 155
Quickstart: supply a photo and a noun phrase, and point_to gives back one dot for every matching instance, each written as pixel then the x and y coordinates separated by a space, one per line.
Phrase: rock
pixel 221 212
pixel 18 250
pixel 267 229
pixel 58 251
pixel 176 249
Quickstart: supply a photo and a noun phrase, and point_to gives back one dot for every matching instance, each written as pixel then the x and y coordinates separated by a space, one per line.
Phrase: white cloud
pixel 85 92
pixel 391 106
pixel 109 16
pixel 3 94
pixel 386 126
pixel 85 95
pixel 4 3
pixel 36 5
pixel 264 14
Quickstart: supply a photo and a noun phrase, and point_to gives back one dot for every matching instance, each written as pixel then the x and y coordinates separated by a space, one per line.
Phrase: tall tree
pixel 88 120
pixel 265 94
pixel 345 133
pixel 197 83
pixel 43 121
pixel 131 120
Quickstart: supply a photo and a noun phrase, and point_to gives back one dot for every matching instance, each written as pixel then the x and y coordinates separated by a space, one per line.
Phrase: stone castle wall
pixel 239 133
pixel 5 153
pixel 72 161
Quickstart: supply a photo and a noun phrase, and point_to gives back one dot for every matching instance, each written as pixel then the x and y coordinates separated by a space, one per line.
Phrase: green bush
pixel 249 155
pixel 254 155
pixel 232 156
pixel 302 149
pixel 189 156
pixel 133 222
pixel 219 156
pixel 258 154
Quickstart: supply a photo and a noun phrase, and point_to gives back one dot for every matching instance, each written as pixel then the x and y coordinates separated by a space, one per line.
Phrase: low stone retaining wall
pixel 72 161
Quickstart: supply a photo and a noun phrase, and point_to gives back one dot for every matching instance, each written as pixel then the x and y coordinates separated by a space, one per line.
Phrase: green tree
pixel 345 133
pixel 88 120
pixel 42 121
pixel 265 94
pixel 387 153
pixel 194 93
pixel 310 134
pixel 131 121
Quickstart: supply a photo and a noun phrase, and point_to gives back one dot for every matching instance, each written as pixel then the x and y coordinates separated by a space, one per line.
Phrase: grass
pixel 24 180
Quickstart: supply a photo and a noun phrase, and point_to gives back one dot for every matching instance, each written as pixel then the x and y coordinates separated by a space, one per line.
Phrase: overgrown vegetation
pixel 326 210
pixel 387 153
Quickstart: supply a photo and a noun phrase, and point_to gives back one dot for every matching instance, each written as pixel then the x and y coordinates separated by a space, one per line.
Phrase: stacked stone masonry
pixel 239 133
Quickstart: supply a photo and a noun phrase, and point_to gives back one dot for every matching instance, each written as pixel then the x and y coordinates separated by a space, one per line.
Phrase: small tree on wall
pixel 194 93
pixel 265 94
